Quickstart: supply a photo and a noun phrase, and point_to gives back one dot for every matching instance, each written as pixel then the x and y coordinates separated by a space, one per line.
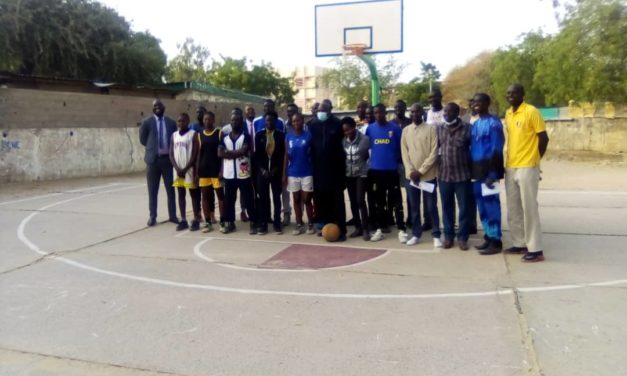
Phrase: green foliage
pixel 75 38
pixel 586 61
pixel 416 90
pixel 517 64
pixel 192 64
pixel 429 73
pixel 350 78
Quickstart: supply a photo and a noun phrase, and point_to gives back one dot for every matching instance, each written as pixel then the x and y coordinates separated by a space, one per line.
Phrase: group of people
pixel 267 159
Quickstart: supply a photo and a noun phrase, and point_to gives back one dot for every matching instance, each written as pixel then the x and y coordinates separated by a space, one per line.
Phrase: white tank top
pixel 182 150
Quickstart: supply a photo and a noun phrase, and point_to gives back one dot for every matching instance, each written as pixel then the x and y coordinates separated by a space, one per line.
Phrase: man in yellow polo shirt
pixel 526 144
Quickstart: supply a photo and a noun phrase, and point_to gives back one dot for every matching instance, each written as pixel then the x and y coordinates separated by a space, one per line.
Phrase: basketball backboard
pixel 378 24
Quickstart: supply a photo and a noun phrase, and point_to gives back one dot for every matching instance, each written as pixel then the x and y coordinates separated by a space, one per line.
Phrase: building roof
pixel 173 89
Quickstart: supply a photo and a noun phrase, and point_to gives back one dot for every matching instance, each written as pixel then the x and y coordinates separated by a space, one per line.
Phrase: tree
pixel 517 64
pixel 464 81
pixel 191 63
pixel 586 60
pixel 75 38
pixel 351 79
pixel 416 90
pixel 260 79
pixel 429 73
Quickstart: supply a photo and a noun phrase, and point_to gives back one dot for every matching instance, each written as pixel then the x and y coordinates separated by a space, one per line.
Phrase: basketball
pixel 331 232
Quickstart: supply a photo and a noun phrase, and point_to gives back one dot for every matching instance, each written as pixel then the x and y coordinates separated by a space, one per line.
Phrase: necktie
pixel 269 143
pixel 161 134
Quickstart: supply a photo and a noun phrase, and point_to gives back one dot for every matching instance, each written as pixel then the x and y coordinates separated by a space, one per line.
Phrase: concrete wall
pixel 588 134
pixel 52 135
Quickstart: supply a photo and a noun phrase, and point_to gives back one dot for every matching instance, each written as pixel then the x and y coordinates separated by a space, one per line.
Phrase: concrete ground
pixel 87 289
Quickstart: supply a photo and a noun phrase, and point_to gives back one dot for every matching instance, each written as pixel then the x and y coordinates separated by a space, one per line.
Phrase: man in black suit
pixel 329 168
pixel 268 169
pixel 155 134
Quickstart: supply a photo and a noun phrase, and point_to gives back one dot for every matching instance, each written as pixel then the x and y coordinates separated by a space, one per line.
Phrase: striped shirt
pixel 454 144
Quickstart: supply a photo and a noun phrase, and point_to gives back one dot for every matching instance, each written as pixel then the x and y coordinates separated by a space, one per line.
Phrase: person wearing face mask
pixel 328 160
pixel 454 175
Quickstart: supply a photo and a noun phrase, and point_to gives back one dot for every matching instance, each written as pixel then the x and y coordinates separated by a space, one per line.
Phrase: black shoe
pixel 195 226
pixel 386 230
pixel 357 233
pixel 472 230
pixel 151 222
pixel 174 220
pixel 182 226
pixel 263 230
pixel 278 230
pixel 230 227
pixel 533 257
pixel 426 226
pixel 516 250
pixel 494 247
pixel 342 238
pixel 253 229
pixel 351 222
pixel 484 245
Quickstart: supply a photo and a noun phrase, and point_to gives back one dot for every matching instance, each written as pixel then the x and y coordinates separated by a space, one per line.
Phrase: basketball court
pixel 86 288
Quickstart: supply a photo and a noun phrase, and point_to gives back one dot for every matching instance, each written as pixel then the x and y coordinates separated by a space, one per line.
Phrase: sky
pixel 446 33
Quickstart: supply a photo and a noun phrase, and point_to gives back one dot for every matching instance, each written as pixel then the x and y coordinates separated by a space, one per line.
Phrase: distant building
pixel 307 80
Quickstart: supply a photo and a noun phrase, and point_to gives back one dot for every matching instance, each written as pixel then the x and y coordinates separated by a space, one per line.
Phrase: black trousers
pixel 263 187
pixel 357 188
pixel 329 207
pixel 245 187
pixel 387 191
pixel 161 168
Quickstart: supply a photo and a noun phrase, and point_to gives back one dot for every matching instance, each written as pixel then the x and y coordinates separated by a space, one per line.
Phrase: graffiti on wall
pixel 8 145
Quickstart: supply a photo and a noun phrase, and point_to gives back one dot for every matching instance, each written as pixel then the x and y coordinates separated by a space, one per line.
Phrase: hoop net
pixel 356 49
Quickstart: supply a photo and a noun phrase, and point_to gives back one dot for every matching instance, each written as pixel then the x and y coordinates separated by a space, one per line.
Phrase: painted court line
pixel 597 193
pixel 59 193
pixel 501 291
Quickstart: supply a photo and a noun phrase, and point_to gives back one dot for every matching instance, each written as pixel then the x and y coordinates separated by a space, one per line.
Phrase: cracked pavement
pixel 108 296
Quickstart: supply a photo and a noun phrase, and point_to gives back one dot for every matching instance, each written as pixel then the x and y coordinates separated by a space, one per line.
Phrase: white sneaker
pixel 402 237
pixel 437 243
pixel 378 235
pixel 413 241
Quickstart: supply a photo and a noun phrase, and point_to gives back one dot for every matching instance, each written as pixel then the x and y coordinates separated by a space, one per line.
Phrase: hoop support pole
pixel 374 78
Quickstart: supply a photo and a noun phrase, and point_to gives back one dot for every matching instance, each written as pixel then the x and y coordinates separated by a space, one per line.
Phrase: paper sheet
pixel 424 186
pixel 495 190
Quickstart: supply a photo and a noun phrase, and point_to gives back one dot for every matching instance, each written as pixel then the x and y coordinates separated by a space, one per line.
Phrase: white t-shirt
pixel 435 117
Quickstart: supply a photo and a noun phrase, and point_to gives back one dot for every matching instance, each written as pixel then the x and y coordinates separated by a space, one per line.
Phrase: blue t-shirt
pixel 385 146
pixel 260 124
pixel 299 154
pixel 197 127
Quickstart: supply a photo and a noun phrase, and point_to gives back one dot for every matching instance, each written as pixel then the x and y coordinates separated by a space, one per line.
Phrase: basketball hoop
pixel 356 49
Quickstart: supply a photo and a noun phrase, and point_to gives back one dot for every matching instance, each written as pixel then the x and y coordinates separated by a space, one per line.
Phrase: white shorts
pixel 304 184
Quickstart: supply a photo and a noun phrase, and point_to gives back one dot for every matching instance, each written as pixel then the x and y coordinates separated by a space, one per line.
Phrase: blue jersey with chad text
pixel 385 146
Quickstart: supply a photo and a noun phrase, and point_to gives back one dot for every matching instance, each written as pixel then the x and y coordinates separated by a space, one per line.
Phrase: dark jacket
pixel 148 136
pixel 260 157
pixel 327 153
